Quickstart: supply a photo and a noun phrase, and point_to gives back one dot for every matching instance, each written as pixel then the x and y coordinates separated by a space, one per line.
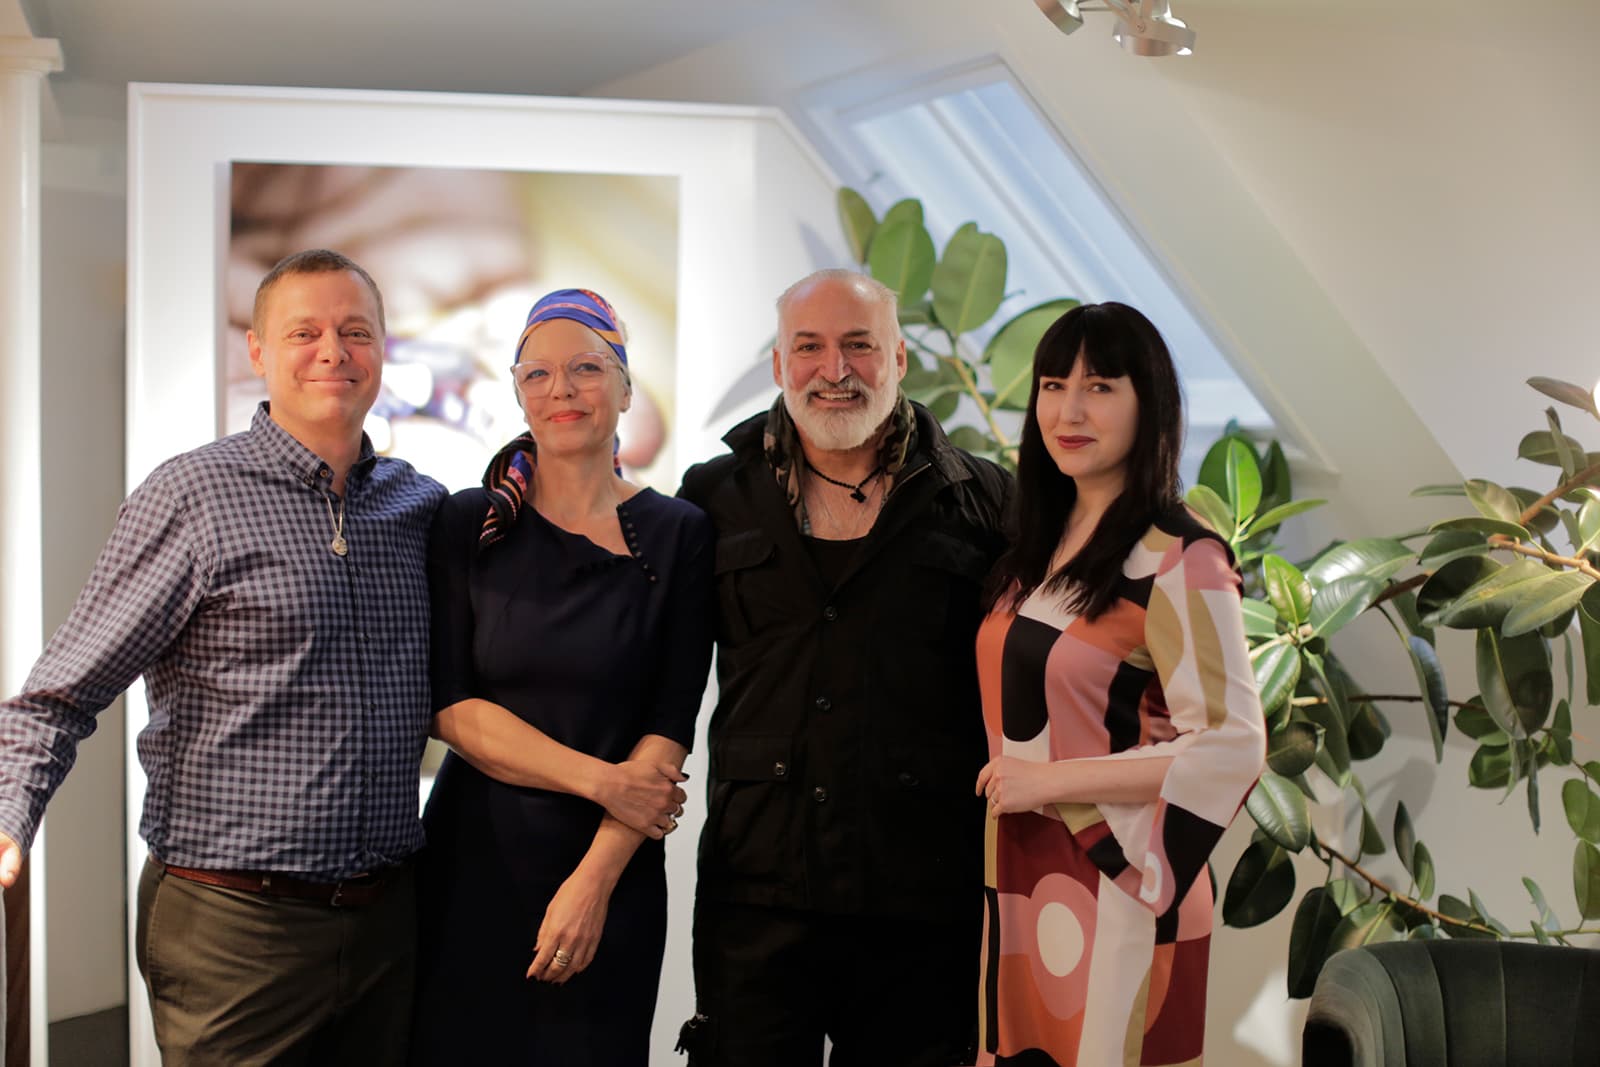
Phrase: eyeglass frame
pixel 607 358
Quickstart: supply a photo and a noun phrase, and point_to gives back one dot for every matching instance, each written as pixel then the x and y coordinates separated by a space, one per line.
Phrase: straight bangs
pixel 1107 351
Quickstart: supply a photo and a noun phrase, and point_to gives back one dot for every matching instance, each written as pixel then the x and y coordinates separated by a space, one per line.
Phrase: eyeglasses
pixel 536 378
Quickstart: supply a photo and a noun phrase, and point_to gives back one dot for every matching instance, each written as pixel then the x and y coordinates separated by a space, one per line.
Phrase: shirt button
pixel 820 795
pixel 830 613
pixel 908 779
pixel 824 704
pixel 324 472
pixel 780 769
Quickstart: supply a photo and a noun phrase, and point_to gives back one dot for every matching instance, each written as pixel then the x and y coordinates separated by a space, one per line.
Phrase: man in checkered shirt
pixel 270 587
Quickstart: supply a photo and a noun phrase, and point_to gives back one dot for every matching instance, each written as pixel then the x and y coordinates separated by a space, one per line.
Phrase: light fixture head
pixel 1064 13
pixel 1152 30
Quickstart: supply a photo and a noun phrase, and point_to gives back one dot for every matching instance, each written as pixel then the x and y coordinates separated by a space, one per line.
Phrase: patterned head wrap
pixel 581 306
pixel 510 472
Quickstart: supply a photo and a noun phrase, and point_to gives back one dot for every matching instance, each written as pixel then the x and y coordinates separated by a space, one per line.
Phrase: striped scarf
pixel 781 442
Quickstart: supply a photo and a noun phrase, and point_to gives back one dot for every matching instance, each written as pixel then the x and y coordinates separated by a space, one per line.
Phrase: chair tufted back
pixel 1456 1004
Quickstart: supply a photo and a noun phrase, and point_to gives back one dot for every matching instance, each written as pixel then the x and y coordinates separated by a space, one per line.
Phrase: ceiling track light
pixel 1144 27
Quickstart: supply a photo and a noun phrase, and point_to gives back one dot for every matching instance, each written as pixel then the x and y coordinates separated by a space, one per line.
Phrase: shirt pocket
pixel 947 580
pixel 750 587
pixel 750 827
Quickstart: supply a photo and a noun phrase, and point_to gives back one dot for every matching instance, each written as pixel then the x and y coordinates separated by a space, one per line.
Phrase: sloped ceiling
pixel 1384 210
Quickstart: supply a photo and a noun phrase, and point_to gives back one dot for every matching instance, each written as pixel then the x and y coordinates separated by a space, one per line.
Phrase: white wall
pixel 83 279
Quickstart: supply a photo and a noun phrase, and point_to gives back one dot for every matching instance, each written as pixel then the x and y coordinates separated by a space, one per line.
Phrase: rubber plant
pixel 1517 569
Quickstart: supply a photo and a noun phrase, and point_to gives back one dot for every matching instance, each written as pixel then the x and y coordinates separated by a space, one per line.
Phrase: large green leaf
pixel 1276 516
pixel 1341 600
pixel 1405 837
pixel 1514 680
pixel 1588 525
pixel 1287 588
pixel 1544 517
pixel 1214 465
pixel 1586 879
pixel 1371 840
pixel 1010 352
pixel 969 281
pixel 1450 581
pixel 1262 884
pixel 1541 447
pixel 1292 749
pixel 1422 861
pixel 1451 545
pixel 1492 501
pixel 857 221
pixel 901 257
pixel 1334 755
pixel 1483 525
pixel 1276 486
pixel 1370 557
pixel 1370 924
pixel 1486 601
pixel 1490 767
pixel 1314 922
pixel 1368 731
pixel 1475 723
pixel 1589 627
pixel 1279 809
pixel 1582 806
pixel 1547 597
pixel 1277 672
pixel 1212 508
pixel 1566 392
pixel 907 210
pixel 1243 473
pixel 1430 683
pixel 1260 618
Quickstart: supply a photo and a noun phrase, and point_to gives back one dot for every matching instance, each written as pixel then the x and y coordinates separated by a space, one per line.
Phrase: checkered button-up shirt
pixel 288 685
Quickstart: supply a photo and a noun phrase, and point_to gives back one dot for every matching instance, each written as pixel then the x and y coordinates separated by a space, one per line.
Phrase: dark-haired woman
pixel 1124 725
pixel 571 643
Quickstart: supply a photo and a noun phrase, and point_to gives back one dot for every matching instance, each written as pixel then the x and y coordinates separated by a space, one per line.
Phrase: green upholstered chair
pixel 1456 1004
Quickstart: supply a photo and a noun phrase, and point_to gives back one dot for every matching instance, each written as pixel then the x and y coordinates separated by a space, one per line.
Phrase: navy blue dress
pixel 596 650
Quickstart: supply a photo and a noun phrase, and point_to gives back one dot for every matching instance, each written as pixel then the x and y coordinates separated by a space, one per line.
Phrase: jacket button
pixel 830 613
pixel 780 768
pixel 824 704
pixel 820 795
pixel 908 779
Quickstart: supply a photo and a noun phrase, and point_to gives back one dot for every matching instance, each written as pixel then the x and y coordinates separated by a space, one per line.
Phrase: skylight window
pixel 976 149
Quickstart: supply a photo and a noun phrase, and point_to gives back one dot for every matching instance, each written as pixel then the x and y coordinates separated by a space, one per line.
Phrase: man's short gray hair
pixel 869 286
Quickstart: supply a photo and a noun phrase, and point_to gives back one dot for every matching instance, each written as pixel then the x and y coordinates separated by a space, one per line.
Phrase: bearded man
pixel 840 870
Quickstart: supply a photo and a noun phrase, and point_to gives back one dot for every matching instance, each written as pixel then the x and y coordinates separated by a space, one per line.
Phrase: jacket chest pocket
pixel 947 577
pixel 751 588
pixel 753 832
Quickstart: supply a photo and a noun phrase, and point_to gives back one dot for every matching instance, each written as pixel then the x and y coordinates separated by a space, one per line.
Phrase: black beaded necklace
pixel 855 490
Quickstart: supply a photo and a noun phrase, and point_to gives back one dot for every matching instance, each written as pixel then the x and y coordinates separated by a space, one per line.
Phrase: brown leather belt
pixel 354 892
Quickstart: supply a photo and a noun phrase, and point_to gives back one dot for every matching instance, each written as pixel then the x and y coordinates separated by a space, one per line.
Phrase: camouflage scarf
pixel 781 442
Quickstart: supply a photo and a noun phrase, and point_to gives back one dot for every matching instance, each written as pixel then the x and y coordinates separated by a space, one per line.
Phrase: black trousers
pixel 772 983
pixel 239 979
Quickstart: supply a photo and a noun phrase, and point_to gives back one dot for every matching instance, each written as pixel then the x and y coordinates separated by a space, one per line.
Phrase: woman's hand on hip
pixel 1015 785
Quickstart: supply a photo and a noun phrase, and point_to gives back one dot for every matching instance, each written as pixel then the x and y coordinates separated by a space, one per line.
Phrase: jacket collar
pixel 933 447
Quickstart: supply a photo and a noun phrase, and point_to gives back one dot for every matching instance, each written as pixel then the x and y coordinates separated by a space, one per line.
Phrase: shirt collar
pixel 280 445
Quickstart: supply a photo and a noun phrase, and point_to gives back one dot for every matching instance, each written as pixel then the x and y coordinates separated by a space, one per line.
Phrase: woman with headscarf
pixel 1124 725
pixel 572 626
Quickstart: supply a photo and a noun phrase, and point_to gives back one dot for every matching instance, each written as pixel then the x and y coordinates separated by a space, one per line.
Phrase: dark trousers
pixel 773 982
pixel 240 978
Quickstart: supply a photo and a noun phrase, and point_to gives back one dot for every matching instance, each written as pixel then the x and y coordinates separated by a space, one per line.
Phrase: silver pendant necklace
pixel 338 546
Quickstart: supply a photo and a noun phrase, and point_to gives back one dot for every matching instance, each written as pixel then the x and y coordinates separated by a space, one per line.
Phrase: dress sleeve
pixel 452 540
pixel 1194 631
pixel 685 662
pixel 149 581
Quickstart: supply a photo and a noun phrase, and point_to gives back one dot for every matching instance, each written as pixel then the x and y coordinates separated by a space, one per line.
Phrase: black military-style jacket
pixel 848 733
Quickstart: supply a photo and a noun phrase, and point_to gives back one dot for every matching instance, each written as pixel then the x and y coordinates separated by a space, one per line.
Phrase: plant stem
pixel 1389 891
pixel 1358 698
pixel 1535 552
pixel 968 382
pixel 1400 587
pixel 1577 481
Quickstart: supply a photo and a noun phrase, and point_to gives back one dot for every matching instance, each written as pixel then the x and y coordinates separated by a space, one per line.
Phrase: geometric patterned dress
pixel 1097 924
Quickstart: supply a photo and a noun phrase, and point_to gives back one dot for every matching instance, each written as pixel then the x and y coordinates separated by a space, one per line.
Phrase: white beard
pixel 840 430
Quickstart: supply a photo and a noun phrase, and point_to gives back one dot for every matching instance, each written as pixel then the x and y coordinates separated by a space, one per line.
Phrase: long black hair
pixel 1118 342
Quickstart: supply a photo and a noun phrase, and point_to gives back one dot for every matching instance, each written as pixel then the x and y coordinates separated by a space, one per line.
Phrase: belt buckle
pixel 338 892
